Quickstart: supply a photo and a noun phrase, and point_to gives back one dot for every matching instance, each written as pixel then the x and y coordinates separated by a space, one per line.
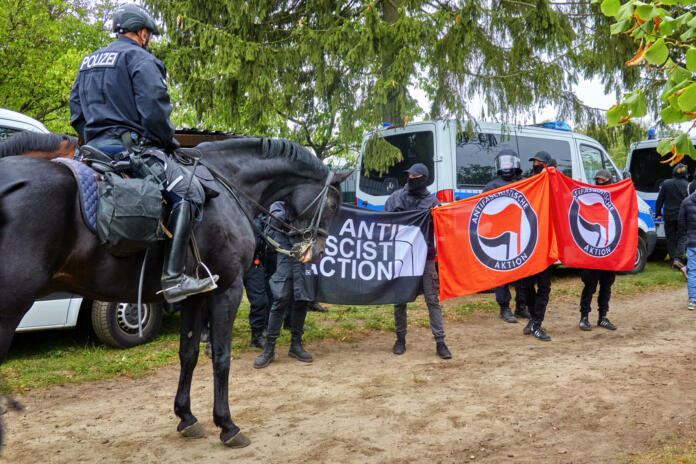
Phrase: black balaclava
pixel 537 168
pixel 417 184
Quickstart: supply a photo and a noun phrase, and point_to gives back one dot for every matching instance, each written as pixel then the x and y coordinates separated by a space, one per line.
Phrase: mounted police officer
pixel 120 100
pixel 508 167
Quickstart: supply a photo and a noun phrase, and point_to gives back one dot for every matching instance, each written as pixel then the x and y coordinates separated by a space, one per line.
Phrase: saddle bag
pixel 129 214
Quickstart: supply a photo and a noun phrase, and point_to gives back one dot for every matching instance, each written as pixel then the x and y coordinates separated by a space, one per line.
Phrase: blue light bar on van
pixel 386 125
pixel 557 125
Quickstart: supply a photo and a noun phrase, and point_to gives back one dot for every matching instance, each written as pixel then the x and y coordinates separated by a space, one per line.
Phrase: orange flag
pixel 495 237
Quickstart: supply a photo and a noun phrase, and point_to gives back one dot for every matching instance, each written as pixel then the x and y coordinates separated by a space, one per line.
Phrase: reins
pixel 308 234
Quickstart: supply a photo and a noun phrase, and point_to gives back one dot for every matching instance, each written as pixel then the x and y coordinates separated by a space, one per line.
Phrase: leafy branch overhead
pixel 665 32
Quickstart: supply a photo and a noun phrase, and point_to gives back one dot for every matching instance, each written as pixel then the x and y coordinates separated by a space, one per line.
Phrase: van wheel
pixel 641 257
pixel 116 324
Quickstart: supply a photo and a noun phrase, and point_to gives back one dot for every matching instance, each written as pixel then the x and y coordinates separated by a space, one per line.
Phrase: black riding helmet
pixel 130 17
pixel 507 163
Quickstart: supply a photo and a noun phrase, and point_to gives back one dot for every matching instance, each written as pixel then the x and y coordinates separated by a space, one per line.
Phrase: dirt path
pixel 585 397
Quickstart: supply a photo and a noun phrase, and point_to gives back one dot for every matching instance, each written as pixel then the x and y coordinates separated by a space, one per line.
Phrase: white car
pixel 115 324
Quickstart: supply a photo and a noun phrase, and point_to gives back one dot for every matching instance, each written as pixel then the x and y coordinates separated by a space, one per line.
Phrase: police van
pixel 647 173
pixel 461 160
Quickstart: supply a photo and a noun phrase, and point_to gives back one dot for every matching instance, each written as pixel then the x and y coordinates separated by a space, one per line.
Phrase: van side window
pixel 476 158
pixel 558 149
pixel 593 160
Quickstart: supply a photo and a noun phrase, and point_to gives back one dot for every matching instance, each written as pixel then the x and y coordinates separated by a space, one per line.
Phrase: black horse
pixel 46 247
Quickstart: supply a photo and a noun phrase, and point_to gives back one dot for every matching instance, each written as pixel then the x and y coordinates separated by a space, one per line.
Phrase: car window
pixel 593 160
pixel 558 149
pixel 6 132
pixel 476 157
pixel 647 172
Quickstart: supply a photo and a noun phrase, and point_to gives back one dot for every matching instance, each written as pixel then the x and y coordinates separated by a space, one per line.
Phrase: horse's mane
pixel 273 148
pixel 25 141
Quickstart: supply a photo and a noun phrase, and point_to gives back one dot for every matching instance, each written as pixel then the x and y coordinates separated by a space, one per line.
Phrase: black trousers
pixel 591 277
pixel 676 241
pixel 503 296
pixel 257 292
pixel 538 298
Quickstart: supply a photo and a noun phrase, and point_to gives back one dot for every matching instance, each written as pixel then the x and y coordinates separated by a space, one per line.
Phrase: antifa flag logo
pixel 503 230
pixel 595 224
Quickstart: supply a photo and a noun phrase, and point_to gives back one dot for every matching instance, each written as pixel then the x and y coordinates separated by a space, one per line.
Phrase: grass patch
pixel 41 359
pixel 675 450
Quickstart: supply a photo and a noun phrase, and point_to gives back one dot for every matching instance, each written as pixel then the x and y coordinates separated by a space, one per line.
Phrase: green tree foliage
pixel 615 139
pixel 41 45
pixel 665 36
pixel 322 71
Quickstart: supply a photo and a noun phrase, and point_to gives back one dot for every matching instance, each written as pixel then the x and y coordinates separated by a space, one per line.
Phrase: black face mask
pixel 537 168
pixel 416 184
pixel 507 174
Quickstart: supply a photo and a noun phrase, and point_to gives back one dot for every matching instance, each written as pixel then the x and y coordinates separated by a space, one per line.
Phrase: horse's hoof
pixel 238 441
pixel 194 430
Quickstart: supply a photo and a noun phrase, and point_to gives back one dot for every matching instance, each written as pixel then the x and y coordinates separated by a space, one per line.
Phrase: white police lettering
pixel 102 60
pixel 366 250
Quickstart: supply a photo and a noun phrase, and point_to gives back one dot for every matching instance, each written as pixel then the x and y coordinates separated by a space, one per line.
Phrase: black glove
pixel 172 145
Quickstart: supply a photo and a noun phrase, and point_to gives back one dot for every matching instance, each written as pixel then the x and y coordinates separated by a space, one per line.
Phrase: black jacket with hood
pixel 672 193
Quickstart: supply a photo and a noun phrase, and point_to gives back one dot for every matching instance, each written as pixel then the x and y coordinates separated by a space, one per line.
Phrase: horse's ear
pixel 341 176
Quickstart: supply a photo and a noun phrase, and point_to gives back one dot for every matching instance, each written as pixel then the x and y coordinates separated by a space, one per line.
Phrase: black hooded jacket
pixel 672 193
pixel 687 219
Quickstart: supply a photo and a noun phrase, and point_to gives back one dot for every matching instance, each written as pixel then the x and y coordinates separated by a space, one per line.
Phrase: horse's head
pixel 311 207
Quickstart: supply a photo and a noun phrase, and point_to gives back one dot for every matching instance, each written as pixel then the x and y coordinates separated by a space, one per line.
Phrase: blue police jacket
pixel 120 88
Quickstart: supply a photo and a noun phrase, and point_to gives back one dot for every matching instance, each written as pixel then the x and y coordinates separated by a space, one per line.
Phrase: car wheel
pixel 116 324
pixel 641 257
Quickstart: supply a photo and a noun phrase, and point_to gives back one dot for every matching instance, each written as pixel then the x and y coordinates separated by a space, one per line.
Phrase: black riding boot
pixel 175 284
pixel 267 356
pixel 297 351
pixel 399 344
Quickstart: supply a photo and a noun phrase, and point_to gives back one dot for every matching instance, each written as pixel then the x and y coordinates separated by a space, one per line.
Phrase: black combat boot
pixel 506 315
pixel 400 344
pixel 298 352
pixel 585 323
pixel 267 356
pixel 522 311
pixel 175 284
pixel 528 328
pixel 257 338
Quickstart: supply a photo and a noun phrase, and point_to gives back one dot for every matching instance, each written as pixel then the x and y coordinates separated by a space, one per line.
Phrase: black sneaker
pixel 539 333
pixel 585 324
pixel 522 311
pixel 527 328
pixel 604 322
pixel 443 351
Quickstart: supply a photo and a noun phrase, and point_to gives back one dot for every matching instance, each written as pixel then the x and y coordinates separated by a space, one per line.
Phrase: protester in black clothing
pixel 672 193
pixel 257 290
pixel 592 277
pixel 538 299
pixel 415 196
pixel 507 164
pixel 289 280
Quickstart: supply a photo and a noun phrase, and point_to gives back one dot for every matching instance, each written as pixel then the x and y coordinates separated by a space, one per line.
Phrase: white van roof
pixel 18 121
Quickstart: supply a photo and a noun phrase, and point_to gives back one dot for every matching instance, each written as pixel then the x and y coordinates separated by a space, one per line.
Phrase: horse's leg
pixel 192 319
pixel 222 309
pixel 8 324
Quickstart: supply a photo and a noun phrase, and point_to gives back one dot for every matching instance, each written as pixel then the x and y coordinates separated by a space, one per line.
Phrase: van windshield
pixel 415 147
pixel 648 173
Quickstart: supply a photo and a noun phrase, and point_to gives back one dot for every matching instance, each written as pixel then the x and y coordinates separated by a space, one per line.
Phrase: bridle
pixel 309 234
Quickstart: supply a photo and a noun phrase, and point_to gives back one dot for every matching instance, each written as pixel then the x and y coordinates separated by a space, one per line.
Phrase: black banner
pixel 373 257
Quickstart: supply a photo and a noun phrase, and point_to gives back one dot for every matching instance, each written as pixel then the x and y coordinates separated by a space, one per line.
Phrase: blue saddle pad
pixel 87 187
